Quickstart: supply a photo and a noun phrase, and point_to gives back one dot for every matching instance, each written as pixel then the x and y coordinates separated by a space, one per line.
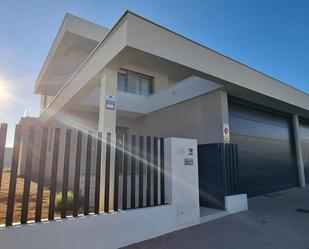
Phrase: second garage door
pixel 266 153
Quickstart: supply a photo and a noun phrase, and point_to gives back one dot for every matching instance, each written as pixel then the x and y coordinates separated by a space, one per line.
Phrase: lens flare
pixel 4 93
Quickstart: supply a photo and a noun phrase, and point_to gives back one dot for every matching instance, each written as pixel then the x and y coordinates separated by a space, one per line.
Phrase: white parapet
pixel 236 203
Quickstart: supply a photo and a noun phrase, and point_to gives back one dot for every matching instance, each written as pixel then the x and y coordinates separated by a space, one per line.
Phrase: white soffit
pixel 154 39
pixel 75 40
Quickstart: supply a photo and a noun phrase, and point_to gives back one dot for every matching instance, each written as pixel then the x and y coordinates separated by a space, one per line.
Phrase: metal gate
pixel 218 173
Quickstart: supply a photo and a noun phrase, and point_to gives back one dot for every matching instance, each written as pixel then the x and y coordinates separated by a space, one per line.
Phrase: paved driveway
pixel 271 222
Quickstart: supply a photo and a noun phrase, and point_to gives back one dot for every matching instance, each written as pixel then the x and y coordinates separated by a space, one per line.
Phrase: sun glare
pixel 4 93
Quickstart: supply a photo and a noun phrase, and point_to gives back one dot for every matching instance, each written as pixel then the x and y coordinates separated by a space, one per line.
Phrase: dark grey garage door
pixel 304 134
pixel 266 153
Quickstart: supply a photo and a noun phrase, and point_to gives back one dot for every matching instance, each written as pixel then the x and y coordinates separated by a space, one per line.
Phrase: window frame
pixel 139 76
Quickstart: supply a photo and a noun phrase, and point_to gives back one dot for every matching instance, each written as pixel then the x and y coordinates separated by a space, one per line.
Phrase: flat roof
pixel 147 36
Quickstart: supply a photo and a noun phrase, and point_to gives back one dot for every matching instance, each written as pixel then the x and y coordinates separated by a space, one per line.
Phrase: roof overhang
pixel 134 33
pixel 74 42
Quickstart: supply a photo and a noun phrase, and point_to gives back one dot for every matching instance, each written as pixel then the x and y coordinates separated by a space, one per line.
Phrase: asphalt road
pixel 271 222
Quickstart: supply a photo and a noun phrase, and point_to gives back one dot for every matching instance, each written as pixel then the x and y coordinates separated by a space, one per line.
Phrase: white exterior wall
pixel 184 90
pixel 200 118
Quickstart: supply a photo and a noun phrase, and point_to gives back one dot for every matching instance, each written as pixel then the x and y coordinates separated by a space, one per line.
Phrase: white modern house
pixel 140 78
pixel 143 79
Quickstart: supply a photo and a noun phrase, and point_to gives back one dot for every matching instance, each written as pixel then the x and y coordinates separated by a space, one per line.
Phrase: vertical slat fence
pixel 141 161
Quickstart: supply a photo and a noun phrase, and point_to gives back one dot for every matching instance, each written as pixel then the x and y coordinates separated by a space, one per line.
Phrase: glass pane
pixel 121 82
pixel 145 88
pixel 133 83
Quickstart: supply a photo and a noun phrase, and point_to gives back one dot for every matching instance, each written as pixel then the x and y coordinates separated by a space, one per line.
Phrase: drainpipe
pixel 299 152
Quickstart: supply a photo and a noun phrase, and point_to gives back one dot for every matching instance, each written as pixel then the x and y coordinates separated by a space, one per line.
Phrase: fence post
pixel 51 208
pixel 3 131
pixel 87 174
pixel 98 174
pixel 162 171
pixel 125 173
pixel 133 170
pixel 107 172
pixel 42 165
pixel 155 171
pixel 116 175
pixel 148 171
pixel 65 174
pixel 77 173
pixel 27 179
pixel 141 171
pixel 13 177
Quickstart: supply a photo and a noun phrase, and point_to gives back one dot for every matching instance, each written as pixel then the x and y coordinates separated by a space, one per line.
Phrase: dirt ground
pixel 18 199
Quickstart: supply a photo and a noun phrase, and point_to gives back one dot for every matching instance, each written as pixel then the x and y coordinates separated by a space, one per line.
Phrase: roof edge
pixel 61 31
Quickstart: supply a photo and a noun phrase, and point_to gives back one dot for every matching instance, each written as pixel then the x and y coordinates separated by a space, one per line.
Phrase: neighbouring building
pixel 141 78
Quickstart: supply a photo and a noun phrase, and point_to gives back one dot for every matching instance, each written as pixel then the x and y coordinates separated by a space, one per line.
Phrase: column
pixel 107 123
pixel 299 152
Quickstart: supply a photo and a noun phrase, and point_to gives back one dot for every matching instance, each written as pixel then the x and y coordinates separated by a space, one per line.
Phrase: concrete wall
pixel 200 118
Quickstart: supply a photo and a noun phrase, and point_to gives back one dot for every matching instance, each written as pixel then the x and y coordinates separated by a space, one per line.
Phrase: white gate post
pixel 182 187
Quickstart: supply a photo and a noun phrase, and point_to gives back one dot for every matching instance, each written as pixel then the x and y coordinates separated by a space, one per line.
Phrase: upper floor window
pixel 132 82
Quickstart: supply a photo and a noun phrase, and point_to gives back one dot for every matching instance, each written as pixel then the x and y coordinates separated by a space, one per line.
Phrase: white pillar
pixel 299 152
pixel 182 187
pixel 107 123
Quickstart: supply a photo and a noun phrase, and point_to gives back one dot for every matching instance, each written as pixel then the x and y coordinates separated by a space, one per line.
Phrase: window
pixel 134 83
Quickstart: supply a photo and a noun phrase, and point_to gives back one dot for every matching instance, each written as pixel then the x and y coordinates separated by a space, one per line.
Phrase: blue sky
pixel 270 36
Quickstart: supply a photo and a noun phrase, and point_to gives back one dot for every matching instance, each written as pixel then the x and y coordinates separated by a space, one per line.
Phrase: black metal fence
pixel 131 175
pixel 218 173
